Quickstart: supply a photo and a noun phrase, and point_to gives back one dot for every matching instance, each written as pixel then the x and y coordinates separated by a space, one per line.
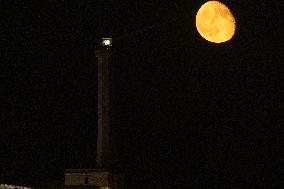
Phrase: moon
pixel 215 22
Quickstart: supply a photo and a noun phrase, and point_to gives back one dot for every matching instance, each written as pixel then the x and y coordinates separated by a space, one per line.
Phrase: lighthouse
pixel 101 177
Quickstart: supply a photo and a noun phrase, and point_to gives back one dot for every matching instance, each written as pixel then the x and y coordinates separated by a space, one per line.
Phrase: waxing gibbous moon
pixel 215 22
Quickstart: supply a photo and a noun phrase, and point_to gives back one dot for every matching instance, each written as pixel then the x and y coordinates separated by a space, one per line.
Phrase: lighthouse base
pixel 92 179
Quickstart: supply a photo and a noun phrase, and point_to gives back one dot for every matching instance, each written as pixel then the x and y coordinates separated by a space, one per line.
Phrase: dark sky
pixel 185 112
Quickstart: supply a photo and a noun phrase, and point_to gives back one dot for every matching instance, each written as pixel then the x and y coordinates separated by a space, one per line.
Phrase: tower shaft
pixel 103 136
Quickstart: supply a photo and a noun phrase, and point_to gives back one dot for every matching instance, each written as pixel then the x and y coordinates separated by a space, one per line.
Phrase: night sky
pixel 184 112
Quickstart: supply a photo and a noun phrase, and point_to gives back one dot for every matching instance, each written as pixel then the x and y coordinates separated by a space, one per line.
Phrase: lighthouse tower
pixel 103 54
pixel 101 177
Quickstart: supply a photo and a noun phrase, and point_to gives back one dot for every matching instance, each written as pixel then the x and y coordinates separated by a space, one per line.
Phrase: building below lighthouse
pixel 92 179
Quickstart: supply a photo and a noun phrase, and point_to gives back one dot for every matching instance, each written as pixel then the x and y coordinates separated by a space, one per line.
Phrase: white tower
pixel 103 55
